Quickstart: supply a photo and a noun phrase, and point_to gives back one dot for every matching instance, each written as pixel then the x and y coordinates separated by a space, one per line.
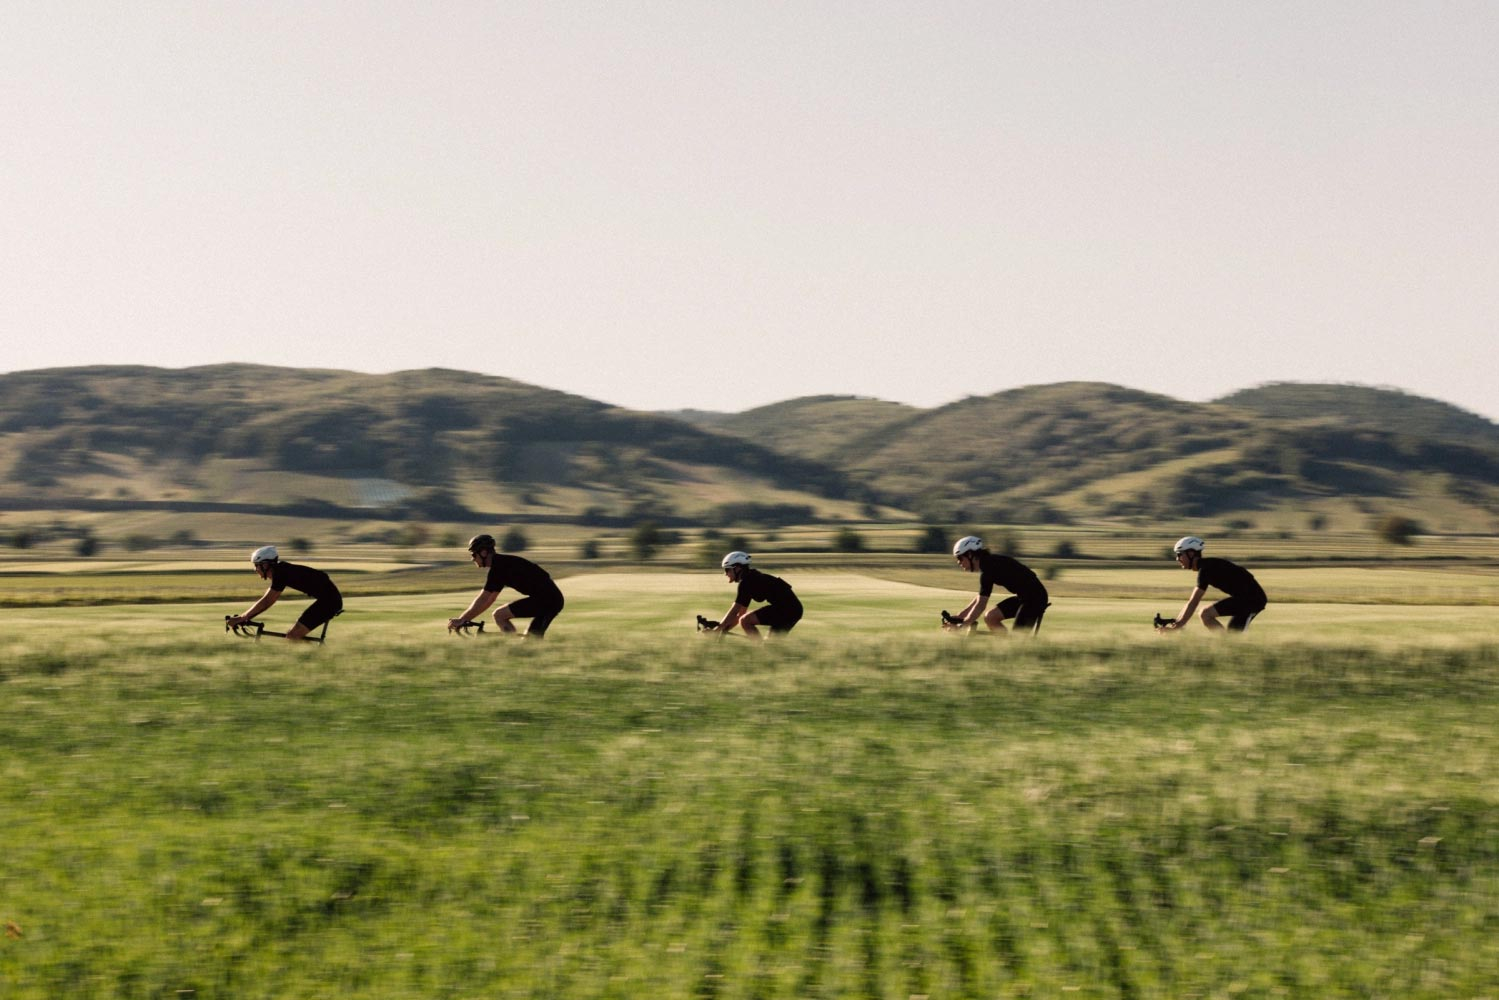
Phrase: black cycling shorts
pixel 781 617
pixel 321 610
pixel 540 608
pixel 1027 611
pixel 1238 611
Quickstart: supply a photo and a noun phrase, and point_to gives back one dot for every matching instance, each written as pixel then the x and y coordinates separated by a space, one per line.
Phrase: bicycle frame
pixel 254 630
pixel 462 628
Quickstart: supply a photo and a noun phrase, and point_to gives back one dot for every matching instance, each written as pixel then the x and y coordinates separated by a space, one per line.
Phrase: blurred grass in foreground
pixel 630 816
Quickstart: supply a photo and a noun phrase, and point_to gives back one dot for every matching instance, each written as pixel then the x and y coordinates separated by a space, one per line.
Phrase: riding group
pixel 541 600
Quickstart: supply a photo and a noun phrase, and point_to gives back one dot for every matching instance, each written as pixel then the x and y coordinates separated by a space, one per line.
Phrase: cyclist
pixel 541 601
pixel 1246 598
pixel 326 600
pixel 780 614
pixel 1027 607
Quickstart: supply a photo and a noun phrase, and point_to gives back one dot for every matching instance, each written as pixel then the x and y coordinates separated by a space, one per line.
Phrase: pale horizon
pixel 707 206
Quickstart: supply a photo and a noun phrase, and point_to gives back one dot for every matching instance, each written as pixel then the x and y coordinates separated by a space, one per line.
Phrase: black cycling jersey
pixel 1009 573
pixel 520 574
pixel 757 586
pixel 312 582
pixel 1231 578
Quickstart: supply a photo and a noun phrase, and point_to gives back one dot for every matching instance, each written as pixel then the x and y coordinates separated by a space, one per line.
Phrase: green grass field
pixel 870 808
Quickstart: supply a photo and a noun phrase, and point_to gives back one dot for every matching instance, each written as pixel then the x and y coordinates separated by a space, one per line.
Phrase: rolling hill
pixel 824 428
pixel 435 442
pixel 443 444
pixel 1053 453
pixel 1366 406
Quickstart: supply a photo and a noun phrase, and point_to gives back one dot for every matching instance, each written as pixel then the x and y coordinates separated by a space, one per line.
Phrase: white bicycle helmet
pixel 966 545
pixel 1190 543
pixel 264 554
pixel 735 558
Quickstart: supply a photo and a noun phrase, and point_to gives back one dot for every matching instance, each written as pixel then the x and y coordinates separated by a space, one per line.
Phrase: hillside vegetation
pixel 1057 452
pixel 1368 407
pixel 825 428
pixel 423 437
pixel 447 444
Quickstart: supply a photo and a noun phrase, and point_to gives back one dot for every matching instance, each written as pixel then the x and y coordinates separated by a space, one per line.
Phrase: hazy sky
pixel 724 204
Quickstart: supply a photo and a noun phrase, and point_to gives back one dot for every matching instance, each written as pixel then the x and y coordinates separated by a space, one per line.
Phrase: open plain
pixel 869 807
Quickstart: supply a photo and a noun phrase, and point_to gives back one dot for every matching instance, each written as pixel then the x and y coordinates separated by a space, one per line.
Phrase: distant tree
pixel 770 515
pixel 651 509
pixel 317 507
pixel 412 535
pixel 714 549
pixel 590 549
pixel 515 540
pixel 1398 530
pixel 433 503
pixel 1317 522
pixel 22 538
pixel 932 539
pixel 1007 542
pixel 87 547
pixel 1064 549
pixel 1032 512
pixel 183 537
pixel 299 545
pixel 848 540
pixel 645 540
pixel 138 542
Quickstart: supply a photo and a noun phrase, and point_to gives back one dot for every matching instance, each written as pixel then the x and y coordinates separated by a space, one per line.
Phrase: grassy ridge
pixel 415 443
pixel 826 428
pixel 1366 406
pixel 625 815
pixel 450 446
